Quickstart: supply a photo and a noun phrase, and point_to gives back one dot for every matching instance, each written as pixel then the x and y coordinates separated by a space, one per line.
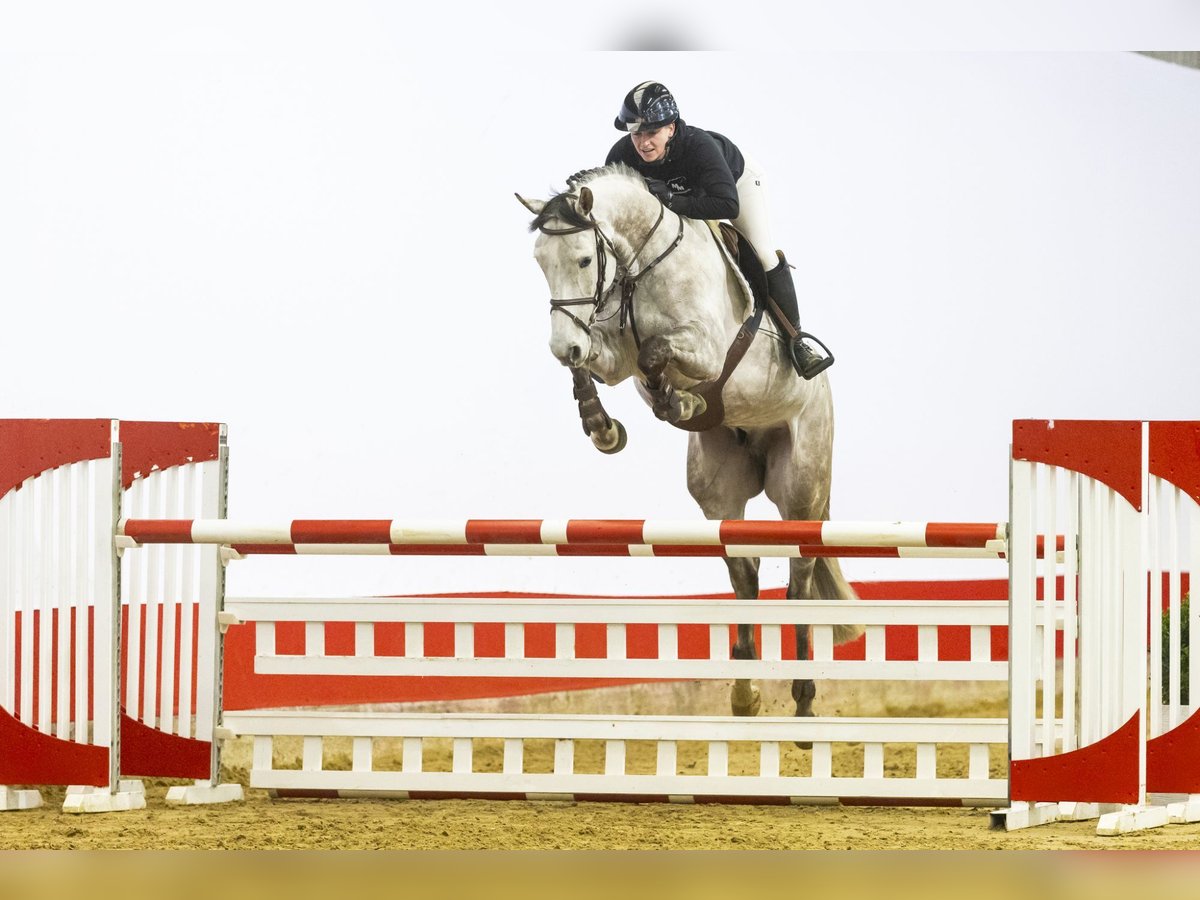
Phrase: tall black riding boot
pixel 808 362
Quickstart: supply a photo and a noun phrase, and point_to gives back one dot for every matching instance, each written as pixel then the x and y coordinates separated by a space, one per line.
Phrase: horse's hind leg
pixel 723 474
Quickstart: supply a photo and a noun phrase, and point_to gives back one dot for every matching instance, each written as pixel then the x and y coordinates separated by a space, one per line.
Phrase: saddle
pixel 740 254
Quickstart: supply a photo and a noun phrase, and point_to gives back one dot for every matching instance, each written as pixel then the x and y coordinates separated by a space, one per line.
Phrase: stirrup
pixel 814 369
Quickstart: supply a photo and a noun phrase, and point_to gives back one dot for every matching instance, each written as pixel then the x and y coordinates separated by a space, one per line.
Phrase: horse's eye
pixel 585 262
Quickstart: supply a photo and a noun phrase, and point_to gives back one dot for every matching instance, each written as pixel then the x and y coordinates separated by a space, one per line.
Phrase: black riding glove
pixel 660 189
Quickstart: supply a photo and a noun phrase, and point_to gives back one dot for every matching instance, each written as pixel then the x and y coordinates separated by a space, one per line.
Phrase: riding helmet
pixel 647 107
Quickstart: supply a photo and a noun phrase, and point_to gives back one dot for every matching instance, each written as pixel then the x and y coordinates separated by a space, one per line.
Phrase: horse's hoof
pixel 748 707
pixel 616 439
pixel 804 710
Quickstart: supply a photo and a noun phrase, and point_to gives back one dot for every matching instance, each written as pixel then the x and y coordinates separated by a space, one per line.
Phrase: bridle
pixel 624 277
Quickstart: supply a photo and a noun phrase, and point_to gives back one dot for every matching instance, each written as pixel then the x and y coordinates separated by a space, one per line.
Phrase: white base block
pixel 1132 818
pixel 11 799
pixel 1071 811
pixel 203 793
pixel 86 799
pixel 1024 815
pixel 1184 812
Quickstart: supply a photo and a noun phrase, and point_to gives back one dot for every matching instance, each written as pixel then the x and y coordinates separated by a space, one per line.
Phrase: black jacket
pixel 701 168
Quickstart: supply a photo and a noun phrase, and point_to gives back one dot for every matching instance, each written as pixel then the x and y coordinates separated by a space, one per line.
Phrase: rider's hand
pixel 660 189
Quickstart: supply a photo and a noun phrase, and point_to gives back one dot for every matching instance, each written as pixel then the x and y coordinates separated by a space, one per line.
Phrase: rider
pixel 702 175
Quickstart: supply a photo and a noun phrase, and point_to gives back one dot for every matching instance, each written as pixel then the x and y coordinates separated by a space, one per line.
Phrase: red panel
pixel 504 531
pixel 159 531
pixel 31 446
pixel 959 534
pixel 148 752
pixel 1173 759
pixel 1175 455
pixel 342 531
pixel 734 531
pixel 31 757
pixel 1110 452
pixel 1103 772
pixel 605 531
pixel 149 446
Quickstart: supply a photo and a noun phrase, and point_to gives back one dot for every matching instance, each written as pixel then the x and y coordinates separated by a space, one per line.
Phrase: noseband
pixel 625 277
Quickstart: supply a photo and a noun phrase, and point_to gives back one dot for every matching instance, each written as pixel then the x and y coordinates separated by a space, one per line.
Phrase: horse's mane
pixel 562 206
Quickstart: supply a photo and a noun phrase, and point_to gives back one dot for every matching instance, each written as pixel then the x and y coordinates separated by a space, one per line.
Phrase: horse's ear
pixel 534 206
pixel 585 200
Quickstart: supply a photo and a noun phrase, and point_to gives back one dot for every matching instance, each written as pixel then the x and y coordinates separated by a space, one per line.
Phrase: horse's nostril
pixel 576 353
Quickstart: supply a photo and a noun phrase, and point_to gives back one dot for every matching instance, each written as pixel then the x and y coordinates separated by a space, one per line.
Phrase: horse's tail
pixel 832 584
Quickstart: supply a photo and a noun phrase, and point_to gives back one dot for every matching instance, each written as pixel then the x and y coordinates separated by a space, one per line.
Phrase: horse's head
pixel 580 251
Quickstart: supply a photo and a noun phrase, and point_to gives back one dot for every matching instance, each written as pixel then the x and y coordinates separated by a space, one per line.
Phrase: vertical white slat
pixel 876 643
pixel 361 759
pixel 981 643
pixel 152 610
pixel 1022 588
pixel 822 759
pixel 718 642
pixel 264 639
pixel 65 601
pixel 872 760
pixel 927 643
pixel 364 639
pixel 768 759
pixel 772 643
pixel 312 755
pixel 926 762
pixel 1175 618
pixel 1193 607
pixel 666 761
pixel 169 598
pixel 615 640
pixel 133 587
pixel 84 597
pixel 210 601
pixel 414 640
pixel 46 602
pixel 8 668
pixel 1156 557
pixel 462 756
pixel 564 756
pixel 1070 739
pixel 263 753
pixel 564 640
pixel 105 677
pixel 412 754
pixel 314 639
pixel 718 759
pixel 668 641
pixel 822 643
pixel 614 757
pixel 27 599
pixel 978 766
pixel 189 597
pixel 1049 570
pixel 1135 624
pixel 514 756
pixel 464 640
pixel 514 640
pixel 1089 630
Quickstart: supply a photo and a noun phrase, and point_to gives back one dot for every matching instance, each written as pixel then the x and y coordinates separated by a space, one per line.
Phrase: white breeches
pixel 752 220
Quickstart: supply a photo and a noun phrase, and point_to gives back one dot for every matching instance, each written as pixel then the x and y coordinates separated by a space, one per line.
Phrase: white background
pixel 298 219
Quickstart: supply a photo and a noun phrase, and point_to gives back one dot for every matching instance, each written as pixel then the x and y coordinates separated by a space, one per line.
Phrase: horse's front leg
pixel 669 404
pixel 607 434
pixel 800 586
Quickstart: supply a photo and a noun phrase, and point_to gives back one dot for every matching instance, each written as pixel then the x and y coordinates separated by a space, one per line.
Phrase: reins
pixel 624 277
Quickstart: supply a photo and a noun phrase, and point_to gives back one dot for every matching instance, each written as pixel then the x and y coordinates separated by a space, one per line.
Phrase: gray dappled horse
pixel 638 291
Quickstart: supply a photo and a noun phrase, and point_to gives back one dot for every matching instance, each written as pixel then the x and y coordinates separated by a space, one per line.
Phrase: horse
pixel 641 292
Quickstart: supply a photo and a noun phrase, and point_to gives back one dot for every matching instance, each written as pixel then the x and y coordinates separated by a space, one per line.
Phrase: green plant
pixel 1183 652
